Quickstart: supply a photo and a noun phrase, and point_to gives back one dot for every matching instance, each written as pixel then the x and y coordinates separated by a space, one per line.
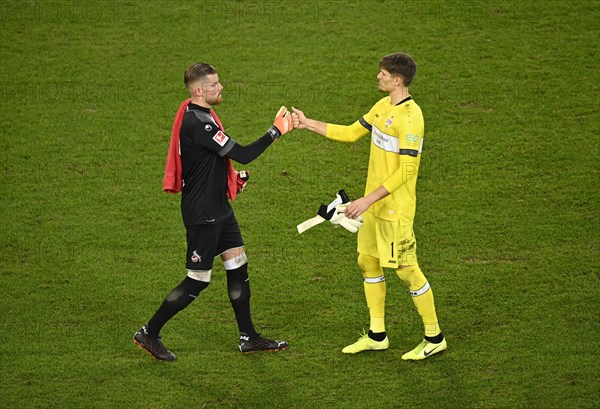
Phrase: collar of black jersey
pixel 197 107
pixel 408 98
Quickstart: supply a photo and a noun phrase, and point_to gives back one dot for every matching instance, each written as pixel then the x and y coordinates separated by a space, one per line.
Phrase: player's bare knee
pixel 235 262
pixel 234 258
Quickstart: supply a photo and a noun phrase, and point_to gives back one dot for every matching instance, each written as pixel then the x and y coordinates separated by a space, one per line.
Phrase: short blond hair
pixel 196 72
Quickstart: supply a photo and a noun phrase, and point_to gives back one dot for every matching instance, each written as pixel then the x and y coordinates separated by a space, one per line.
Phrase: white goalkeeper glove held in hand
pixel 334 212
pixel 339 218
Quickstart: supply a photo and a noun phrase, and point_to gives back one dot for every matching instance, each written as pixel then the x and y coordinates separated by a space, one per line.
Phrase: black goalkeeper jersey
pixel 203 147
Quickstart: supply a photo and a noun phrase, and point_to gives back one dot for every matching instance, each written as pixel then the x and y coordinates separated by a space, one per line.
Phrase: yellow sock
pixel 375 290
pixel 422 296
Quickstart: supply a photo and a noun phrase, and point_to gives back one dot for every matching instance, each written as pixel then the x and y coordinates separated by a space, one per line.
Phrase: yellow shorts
pixel 394 245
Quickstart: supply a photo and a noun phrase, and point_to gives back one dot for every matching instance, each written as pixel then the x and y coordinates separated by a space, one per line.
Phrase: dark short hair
pixel 400 64
pixel 196 72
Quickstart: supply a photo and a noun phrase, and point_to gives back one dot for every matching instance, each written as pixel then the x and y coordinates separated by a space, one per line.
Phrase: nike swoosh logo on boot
pixel 430 352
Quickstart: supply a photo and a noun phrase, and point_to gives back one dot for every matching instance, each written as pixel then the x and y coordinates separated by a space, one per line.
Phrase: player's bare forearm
pixel 300 121
pixel 316 126
pixel 359 206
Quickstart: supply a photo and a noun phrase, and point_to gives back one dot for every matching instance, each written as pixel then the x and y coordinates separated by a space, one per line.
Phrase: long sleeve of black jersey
pixel 246 154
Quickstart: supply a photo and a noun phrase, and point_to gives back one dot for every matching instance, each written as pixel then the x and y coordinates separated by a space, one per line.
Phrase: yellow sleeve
pixel 409 168
pixel 343 133
pixel 411 145
pixel 358 129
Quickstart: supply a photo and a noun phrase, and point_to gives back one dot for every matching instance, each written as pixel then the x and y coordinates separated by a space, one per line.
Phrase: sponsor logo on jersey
pixel 411 137
pixel 386 142
pixel 220 138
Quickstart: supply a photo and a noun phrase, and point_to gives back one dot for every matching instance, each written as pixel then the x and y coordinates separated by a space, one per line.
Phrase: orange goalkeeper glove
pixel 283 121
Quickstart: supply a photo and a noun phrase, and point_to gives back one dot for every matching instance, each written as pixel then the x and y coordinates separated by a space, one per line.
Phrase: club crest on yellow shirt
pixel 388 122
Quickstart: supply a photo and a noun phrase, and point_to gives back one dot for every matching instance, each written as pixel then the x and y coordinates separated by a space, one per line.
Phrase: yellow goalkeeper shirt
pixel 396 144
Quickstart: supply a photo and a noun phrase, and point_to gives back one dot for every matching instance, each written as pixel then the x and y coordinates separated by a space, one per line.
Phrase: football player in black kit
pixel 211 226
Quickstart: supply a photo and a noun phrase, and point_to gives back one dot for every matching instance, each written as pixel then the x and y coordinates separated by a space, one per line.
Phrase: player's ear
pixel 195 89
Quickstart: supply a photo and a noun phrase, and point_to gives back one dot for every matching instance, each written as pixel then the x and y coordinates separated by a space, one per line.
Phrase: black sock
pixel 238 287
pixel 377 336
pixel 435 340
pixel 179 298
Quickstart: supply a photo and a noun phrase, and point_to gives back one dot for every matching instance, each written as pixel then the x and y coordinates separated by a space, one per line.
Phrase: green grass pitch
pixel 507 217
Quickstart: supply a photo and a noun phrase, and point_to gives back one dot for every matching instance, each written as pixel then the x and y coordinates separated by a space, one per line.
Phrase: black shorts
pixel 207 241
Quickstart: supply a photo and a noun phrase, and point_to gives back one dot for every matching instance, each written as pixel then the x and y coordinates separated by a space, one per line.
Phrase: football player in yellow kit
pixel 386 239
